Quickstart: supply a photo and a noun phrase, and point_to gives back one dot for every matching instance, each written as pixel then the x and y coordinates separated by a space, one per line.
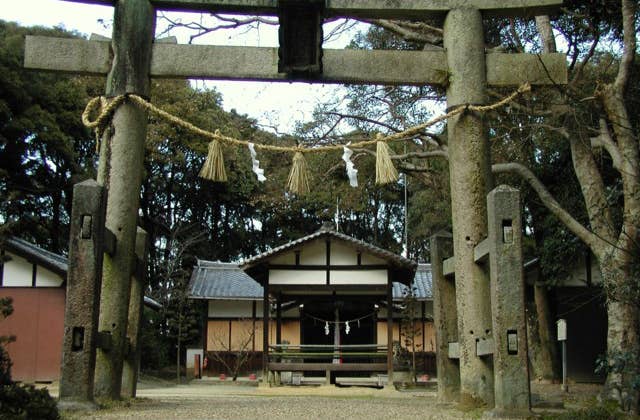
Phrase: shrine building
pixel 325 300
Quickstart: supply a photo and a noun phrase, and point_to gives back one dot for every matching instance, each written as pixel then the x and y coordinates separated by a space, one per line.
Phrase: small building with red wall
pixel 35 279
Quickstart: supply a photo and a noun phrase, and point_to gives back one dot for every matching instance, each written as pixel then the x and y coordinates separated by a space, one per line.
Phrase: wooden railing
pixel 308 357
pixel 280 352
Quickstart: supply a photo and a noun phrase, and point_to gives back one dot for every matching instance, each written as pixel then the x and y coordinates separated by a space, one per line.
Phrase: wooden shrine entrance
pixel 337 335
pixel 338 283
pixel 353 317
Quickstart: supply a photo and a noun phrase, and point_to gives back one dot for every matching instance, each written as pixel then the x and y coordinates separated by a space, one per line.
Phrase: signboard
pixel 562 329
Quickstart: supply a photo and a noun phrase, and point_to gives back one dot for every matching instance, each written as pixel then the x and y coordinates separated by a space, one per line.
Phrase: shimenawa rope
pixel 298 181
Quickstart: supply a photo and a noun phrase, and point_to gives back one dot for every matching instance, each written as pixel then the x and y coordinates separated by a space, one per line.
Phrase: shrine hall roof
pixel 227 281
pixel 326 231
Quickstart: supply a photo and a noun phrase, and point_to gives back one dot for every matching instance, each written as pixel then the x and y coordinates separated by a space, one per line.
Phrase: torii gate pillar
pixel 120 170
pixel 471 180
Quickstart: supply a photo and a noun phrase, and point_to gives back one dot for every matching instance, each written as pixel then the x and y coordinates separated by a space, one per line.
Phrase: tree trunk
pixel 55 222
pixel 178 345
pixel 548 368
pixel 623 339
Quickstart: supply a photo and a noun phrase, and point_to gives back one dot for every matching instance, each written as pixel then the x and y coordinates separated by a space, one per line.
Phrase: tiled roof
pixel 395 259
pixel 55 262
pixel 421 286
pixel 216 280
pixel 227 281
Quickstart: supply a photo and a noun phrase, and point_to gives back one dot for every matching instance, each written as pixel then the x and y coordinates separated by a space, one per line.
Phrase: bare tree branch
pixel 604 140
pixel 410 31
pixel 227 23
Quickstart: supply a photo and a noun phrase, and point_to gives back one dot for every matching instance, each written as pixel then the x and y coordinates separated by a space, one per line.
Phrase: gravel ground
pixel 198 401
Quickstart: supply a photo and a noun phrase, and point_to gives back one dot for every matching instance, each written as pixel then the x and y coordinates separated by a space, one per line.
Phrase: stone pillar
pixel 136 299
pixel 445 319
pixel 121 174
pixel 510 364
pixel 83 295
pixel 470 173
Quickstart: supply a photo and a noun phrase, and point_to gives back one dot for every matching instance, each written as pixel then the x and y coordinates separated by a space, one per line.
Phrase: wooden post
pixel 133 31
pixel 279 319
pixel 445 320
pixel 389 332
pixel 83 295
pixel 132 358
pixel 265 333
pixel 471 180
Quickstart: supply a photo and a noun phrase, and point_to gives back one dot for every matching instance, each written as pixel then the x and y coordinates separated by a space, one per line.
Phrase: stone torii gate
pixel 463 67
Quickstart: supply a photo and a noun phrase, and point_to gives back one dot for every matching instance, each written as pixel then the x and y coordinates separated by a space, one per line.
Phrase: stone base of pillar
pixel 507 414
pixel 264 384
pixel 74 405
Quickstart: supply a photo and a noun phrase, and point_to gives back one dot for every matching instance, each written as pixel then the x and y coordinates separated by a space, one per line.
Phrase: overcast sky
pixel 272 104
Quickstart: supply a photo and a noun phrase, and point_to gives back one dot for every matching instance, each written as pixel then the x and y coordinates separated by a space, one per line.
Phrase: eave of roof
pixel 394 259
pixel 33 253
pixel 55 262
pixel 227 281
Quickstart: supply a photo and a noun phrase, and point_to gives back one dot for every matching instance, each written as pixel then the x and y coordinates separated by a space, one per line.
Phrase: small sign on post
pixel 562 337
pixel 562 329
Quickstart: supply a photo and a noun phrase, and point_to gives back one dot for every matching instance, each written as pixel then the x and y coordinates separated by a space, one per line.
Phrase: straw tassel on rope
pixel 213 168
pixel 299 176
pixel 385 171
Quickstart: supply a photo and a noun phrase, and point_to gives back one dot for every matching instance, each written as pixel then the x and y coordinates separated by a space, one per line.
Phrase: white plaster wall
pixel 191 359
pixel 297 277
pixel 47 278
pixel 342 254
pixel 358 277
pixel 230 309
pixel 17 272
pixel 288 258
pixel 314 253
pixel 368 259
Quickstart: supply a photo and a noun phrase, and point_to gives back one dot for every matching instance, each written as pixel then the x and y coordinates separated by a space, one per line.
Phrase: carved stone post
pixel 83 295
pixel 445 318
pixel 510 363
pixel 132 359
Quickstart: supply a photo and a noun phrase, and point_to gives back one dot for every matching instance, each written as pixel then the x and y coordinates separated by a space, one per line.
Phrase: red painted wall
pixel 38 324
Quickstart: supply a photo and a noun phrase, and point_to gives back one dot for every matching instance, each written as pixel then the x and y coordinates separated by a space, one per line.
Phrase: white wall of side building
pixel 17 272
pixel 231 309
pixel 47 278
